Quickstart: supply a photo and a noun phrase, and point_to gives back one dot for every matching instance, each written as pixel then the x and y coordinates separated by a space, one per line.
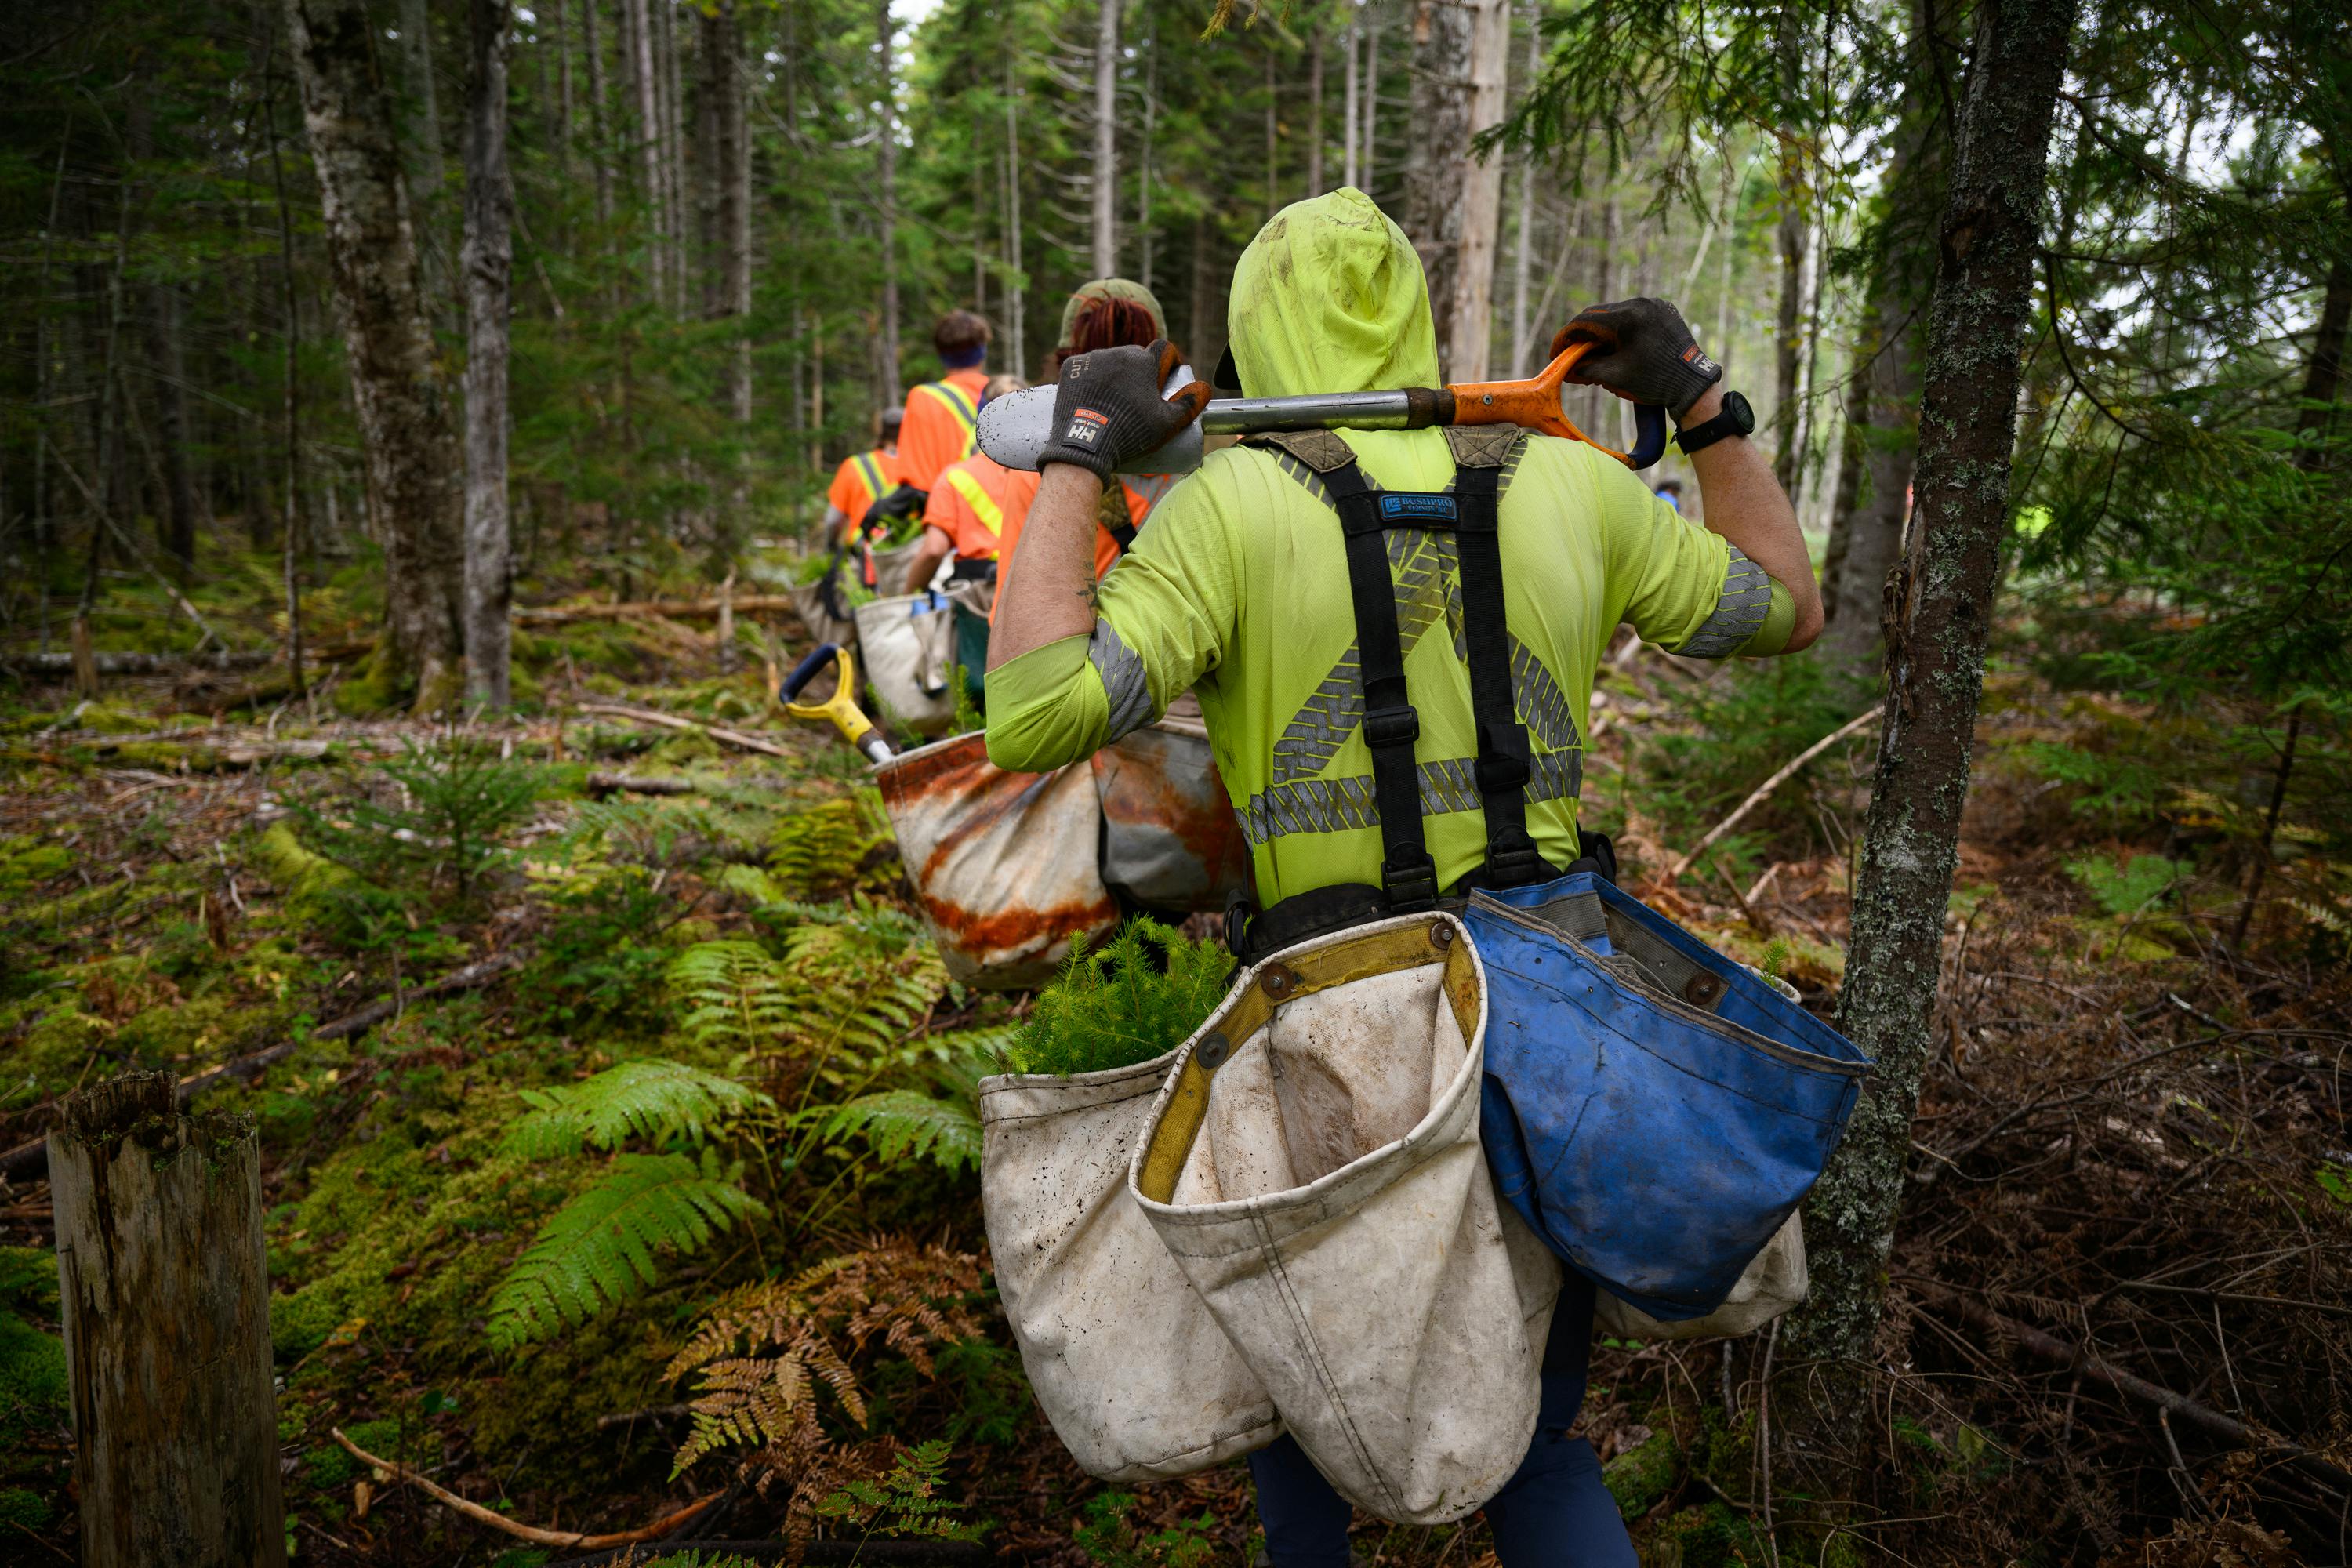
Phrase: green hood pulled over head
pixel 1329 297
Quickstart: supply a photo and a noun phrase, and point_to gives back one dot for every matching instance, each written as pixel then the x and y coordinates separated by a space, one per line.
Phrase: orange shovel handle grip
pixel 1534 405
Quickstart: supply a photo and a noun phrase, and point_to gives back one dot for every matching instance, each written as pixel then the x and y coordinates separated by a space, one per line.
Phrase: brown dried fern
pixel 760 1353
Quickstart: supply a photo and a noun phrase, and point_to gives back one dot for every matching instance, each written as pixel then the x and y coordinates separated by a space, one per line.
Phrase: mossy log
pixel 165 1298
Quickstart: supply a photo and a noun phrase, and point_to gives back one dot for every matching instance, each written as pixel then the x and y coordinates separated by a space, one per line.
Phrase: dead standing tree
pixel 1941 610
pixel 166 1299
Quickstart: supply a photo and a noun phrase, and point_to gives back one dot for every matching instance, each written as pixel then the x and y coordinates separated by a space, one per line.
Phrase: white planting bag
pixel 905 645
pixel 1774 1282
pixel 1313 1166
pixel 1138 1379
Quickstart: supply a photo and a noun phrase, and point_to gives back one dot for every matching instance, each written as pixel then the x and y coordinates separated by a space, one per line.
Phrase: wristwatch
pixel 1734 418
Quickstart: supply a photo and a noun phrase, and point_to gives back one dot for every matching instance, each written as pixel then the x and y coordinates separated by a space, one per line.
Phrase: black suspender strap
pixel 1390 725
pixel 1503 766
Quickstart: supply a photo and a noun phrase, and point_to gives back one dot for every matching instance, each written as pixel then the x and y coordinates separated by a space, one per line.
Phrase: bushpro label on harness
pixel 1407 508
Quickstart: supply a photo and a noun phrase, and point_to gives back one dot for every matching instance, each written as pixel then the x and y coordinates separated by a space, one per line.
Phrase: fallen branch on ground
pixel 2212 1423
pixel 1764 791
pixel 33 1158
pixel 647 716
pixel 740 604
pixel 529 1533
pixel 603 784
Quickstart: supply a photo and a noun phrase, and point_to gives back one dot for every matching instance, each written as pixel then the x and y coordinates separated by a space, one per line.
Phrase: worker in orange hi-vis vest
pixel 1107 313
pixel 940 414
pixel 974 502
pixel 862 480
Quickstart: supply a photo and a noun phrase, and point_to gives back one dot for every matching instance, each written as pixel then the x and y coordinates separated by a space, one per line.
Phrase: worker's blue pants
pixel 1553 1513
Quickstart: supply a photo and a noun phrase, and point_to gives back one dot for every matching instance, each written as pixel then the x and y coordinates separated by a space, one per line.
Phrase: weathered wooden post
pixel 166 1299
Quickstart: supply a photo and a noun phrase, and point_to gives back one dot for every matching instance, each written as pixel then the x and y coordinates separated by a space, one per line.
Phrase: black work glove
pixel 1107 410
pixel 1644 353
pixel 903 501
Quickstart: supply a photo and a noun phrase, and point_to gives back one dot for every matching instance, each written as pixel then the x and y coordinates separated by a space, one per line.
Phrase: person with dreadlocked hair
pixel 1110 312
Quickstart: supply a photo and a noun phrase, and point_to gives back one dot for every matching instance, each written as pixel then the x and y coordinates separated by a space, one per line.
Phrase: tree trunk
pixel 725 62
pixel 1939 616
pixel 1370 166
pixel 1016 286
pixel 164 1293
pixel 1788 336
pixel 1352 95
pixel 673 150
pixel 1272 135
pixel 291 410
pixel 1481 192
pixel 1522 259
pixel 886 159
pixel 172 427
pixel 598 115
pixel 424 140
pixel 397 387
pixel 2324 377
pixel 490 269
pixel 1437 166
pixel 638 47
pixel 1105 172
pixel 1314 105
pixel 1872 528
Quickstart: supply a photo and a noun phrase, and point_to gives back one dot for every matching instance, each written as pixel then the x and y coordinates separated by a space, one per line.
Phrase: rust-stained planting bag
pixel 1170 840
pixel 1127 1363
pixel 1004 863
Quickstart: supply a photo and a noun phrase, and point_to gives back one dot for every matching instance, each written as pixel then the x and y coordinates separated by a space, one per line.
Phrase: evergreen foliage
pixel 448 804
pixel 1136 997
pixel 602 1247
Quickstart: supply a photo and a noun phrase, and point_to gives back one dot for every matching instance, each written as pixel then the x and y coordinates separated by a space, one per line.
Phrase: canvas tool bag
pixel 1655 1111
pixel 1312 1165
pixel 1005 864
pixel 1125 1359
pixel 907 644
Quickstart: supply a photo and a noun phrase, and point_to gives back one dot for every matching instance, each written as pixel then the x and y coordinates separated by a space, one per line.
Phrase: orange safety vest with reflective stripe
pixel 942 418
pixel 983 506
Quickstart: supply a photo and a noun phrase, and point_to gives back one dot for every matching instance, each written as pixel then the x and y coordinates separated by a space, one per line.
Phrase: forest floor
pixel 2133 1143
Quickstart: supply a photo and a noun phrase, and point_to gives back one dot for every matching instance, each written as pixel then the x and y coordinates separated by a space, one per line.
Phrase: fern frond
pixel 825 847
pixel 737 997
pixel 652 1098
pixel 902 1124
pixel 812 1327
pixel 604 1247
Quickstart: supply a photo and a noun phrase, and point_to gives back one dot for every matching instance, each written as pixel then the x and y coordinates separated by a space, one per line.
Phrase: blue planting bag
pixel 1653 1110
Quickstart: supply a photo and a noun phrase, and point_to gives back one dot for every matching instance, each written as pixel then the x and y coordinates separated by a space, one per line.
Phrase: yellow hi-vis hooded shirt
pixel 1239 588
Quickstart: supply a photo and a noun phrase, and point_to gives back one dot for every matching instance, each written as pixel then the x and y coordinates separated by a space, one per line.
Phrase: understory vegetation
pixel 656 1179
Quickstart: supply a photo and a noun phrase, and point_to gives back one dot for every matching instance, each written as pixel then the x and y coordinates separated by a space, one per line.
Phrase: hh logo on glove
pixel 1107 408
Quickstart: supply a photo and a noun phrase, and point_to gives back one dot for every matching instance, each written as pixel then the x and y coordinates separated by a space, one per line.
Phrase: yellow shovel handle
pixel 840 710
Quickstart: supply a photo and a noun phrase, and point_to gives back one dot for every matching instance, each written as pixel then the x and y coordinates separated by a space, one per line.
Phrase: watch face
pixel 1738 414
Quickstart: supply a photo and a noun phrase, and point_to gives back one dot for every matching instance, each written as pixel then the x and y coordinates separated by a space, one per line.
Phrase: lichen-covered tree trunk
pixel 1870 527
pixel 405 418
pixel 489 266
pixel 1105 171
pixel 1472 300
pixel 1437 165
pixel 1989 236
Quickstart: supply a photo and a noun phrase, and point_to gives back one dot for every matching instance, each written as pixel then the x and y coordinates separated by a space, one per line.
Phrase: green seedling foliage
pixel 1109 1537
pixel 457 799
pixel 2120 793
pixel 1136 997
pixel 1748 723
pixel 651 1099
pixel 904 1501
pixel 605 1246
pixel 600 960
